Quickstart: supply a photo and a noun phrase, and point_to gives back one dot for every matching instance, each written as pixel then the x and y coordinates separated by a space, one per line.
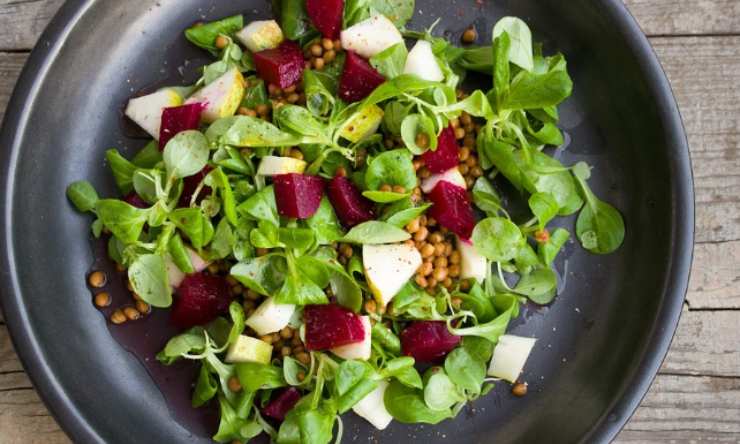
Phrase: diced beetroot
pixel 351 207
pixel 446 154
pixel 428 341
pixel 201 298
pixel 329 326
pixel 284 402
pixel 452 209
pixel 135 200
pixel 190 184
pixel 178 119
pixel 359 79
pixel 326 16
pixel 282 66
pixel 298 195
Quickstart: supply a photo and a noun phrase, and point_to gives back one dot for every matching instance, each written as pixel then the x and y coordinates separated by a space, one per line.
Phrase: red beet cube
pixel 284 402
pixel 351 207
pixel 135 200
pixel 282 66
pixel 190 184
pixel 428 341
pixel 178 119
pixel 326 16
pixel 446 155
pixel 297 195
pixel 329 326
pixel 359 79
pixel 452 209
pixel 201 298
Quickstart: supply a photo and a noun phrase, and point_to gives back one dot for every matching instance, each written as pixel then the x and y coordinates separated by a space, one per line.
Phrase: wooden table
pixel 696 396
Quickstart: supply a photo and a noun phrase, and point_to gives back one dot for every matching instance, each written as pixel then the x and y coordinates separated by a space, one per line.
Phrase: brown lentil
pixel 421 281
pixel 318 63
pixel 440 274
pixel 464 153
pixel 262 109
pixel 470 35
pixel 266 338
pixel 426 269
pixel 435 238
pixel 234 384
pixel 330 56
pixel 447 283
pixel 286 333
pixel 244 111
pixel 459 133
pixel 143 308
pixel 303 358
pixel 469 141
pixel 519 389
pixel 424 173
pixel 222 42
pixel 341 171
pixel 476 171
pixel 386 188
pixel 439 249
pixel 296 341
pixel 455 257
pixel 399 189
pixel 427 250
pixel 97 279
pixel 301 376
pixel 440 262
pixel 413 226
pixel 286 351
pixel 371 306
pixel 542 236
pixel 456 302
pixel 346 250
pixel 118 317
pixel 432 282
pixel 454 271
pixel 422 140
pixel 131 313
pixel 295 153
pixel 464 170
pixel 102 299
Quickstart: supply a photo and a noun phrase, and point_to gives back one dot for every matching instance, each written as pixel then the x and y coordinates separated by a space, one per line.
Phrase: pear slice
pixel 371 36
pixel 275 166
pixel 472 264
pixel 221 97
pixel 146 111
pixel 372 407
pixel 270 317
pixel 422 63
pixel 509 357
pixel 260 35
pixel 359 350
pixel 453 176
pixel 249 349
pixel 388 268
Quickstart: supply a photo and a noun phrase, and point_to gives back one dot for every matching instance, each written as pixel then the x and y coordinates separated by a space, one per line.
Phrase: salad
pixel 321 214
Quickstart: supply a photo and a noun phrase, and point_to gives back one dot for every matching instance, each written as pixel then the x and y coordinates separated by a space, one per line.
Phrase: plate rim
pixel 71 420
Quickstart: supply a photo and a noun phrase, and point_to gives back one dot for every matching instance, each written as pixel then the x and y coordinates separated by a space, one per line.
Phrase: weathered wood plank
pixel 10 68
pixel 23 21
pixel 687 409
pixel 705 74
pixel 666 17
pixel 24 419
pixel 715 276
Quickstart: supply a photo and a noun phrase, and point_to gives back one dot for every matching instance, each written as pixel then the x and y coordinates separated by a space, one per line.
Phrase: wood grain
pixel 23 21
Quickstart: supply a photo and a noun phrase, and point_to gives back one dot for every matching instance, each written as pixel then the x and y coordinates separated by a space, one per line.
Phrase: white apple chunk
pixel 270 317
pixel 472 264
pixel 261 35
pixel 422 63
pixel 275 166
pixel 175 276
pixel 509 357
pixel 249 349
pixel 388 268
pixel 372 407
pixel 146 111
pixel 453 176
pixel 371 36
pixel 359 350
pixel 220 98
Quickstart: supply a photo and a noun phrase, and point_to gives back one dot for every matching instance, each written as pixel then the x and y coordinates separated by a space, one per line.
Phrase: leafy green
pixel 375 232
pixel 264 274
pixel 540 286
pixel 544 207
pixel 186 154
pixel 599 227
pixel 194 224
pixel 391 168
pixel 391 61
pixel 82 195
pixel 179 254
pixel 206 387
pixel 319 87
pixel 261 206
pixel 205 35
pixel 122 169
pixel 407 405
pixel 549 250
pixel 324 224
pixel 497 238
pixel 520 52
pixel 148 277
pixel 440 393
pixel 254 376
pixel 294 19
pixel 412 126
pixel 122 219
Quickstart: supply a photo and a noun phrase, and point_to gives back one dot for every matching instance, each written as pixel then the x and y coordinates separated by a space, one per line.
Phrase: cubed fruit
pixel 282 66
pixel 351 207
pixel 422 63
pixel 359 350
pixel 249 349
pixel 509 357
pixel 359 79
pixel 388 268
pixel 275 166
pixel 270 317
pixel 175 276
pixel 221 97
pixel 452 209
pixel 298 195
pixel 326 16
pixel 372 407
pixel 371 36
pixel 190 185
pixel 472 264
pixel 330 326
pixel 452 176
pixel 281 404
pixel 178 119
pixel 364 124
pixel 146 111
pixel 428 341
pixel 201 298
pixel 446 155
pixel 261 35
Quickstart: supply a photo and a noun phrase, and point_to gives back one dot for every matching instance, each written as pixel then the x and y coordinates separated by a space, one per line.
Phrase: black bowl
pixel 601 343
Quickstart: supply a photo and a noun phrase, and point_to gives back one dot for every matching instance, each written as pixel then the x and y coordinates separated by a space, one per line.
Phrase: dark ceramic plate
pixel 601 342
